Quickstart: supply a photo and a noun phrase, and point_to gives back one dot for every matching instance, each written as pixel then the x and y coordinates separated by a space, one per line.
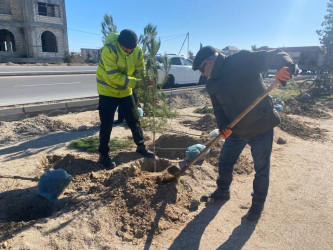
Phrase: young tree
pixel 254 47
pixel 108 26
pixel 326 38
pixel 190 55
pixel 152 97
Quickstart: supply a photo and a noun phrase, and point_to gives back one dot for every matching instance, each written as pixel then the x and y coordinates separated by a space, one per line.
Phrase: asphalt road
pixel 32 89
pixel 36 69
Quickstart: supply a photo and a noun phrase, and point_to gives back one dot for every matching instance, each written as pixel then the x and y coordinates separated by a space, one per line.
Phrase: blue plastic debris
pixel 53 183
pixel 194 150
pixel 278 107
pixel 279 101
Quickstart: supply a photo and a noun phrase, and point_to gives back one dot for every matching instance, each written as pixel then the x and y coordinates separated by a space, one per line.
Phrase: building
pixel 308 58
pixel 33 31
pixel 91 55
pixel 230 50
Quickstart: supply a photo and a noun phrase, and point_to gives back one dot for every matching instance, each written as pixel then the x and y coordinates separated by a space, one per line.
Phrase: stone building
pixel 33 31
pixel 91 55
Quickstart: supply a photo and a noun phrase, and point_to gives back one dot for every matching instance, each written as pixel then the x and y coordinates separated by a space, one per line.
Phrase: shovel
pixel 177 171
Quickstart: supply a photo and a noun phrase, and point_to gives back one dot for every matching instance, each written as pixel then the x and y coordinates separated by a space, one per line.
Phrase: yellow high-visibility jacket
pixel 118 72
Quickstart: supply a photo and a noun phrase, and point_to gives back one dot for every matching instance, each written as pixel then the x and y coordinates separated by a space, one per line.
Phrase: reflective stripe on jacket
pixel 118 72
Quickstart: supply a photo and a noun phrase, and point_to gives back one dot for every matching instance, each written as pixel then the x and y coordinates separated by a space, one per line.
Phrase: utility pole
pixel 187 36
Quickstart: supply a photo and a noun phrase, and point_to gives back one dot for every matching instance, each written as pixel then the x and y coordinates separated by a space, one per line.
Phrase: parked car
pixel 180 72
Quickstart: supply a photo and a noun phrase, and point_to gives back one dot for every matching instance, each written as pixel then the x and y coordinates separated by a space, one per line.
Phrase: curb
pixel 61 107
pixel 54 109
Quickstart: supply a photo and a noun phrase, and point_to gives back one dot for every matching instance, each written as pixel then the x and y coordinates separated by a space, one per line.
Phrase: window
pixel 176 61
pixel 7 42
pixel 49 42
pixel 45 9
pixel 187 62
pixel 4 7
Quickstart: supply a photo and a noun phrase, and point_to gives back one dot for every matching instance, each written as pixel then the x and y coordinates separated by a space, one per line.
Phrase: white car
pixel 180 71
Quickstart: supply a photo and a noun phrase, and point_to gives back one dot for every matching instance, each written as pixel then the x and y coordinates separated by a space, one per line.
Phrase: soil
pixel 136 206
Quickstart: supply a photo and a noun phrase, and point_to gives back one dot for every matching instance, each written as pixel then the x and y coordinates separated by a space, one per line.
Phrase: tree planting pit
pixel 174 146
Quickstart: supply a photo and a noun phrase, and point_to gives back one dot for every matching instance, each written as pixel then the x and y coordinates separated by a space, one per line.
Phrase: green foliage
pixel 326 38
pixel 254 47
pixel 152 97
pixel 284 93
pixel 108 26
pixel 91 144
pixel 204 110
pixel 190 55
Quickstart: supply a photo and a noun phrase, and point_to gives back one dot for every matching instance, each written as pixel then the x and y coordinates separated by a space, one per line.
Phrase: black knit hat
pixel 203 54
pixel 128 39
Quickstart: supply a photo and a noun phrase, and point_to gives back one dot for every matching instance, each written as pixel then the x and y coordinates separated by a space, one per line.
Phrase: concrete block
pixel 13 114
pixel 83 103
pixel 44 108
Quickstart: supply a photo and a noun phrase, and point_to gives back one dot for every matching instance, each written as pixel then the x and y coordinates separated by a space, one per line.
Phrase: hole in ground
pixel 148 164
pixel 174 146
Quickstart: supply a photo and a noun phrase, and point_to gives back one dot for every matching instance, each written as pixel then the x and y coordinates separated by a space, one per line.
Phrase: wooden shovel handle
pixel 231 125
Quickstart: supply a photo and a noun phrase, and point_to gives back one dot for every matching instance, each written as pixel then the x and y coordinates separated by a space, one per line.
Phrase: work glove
pixel 225 132
pixel 282 76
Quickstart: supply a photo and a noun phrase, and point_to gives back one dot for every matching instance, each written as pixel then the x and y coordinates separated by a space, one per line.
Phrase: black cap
pixel 203 54
pixel 128 39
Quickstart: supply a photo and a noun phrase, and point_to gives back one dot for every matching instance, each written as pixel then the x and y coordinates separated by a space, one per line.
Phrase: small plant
pixel 91 144
pixel 204 110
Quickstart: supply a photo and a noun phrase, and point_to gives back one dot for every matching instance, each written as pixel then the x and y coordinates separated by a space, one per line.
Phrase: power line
pixel 84 32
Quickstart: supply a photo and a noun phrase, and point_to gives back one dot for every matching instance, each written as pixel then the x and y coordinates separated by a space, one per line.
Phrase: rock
pixel 139 233
pixel 127 237
pixel 82 128
pixel 79 198
pixel 194 205
pixel 281 141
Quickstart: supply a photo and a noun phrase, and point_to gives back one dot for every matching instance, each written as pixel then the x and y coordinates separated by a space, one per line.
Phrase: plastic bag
pixel 194 150
pixel 215 133
pixel 53 183
pixel 278 107
pixel 140 111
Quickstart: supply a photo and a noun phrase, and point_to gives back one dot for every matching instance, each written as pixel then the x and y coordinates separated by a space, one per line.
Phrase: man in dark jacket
pixel 233 84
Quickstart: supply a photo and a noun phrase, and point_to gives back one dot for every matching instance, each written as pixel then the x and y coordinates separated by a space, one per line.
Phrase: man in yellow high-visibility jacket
pixel 119 70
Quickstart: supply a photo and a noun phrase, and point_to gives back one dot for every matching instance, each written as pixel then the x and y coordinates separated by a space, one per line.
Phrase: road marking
pixel 48 84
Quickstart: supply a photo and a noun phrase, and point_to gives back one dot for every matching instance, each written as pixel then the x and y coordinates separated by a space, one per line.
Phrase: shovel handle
pixel 231 125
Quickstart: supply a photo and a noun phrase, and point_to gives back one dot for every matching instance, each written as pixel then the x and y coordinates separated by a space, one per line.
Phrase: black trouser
pixel 107 108
pixel 120 110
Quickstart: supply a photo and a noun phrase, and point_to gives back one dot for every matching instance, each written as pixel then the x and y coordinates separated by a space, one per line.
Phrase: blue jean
pixel 261 149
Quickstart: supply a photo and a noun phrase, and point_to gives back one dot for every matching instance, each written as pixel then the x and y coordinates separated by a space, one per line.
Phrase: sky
pixel 219 23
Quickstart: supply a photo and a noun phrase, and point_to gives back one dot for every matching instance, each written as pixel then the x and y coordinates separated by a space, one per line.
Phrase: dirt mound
pixel 189 99
pixel 39 125
pixel 206 124
pixel 308 109
pixel 296 128
pixel 140 203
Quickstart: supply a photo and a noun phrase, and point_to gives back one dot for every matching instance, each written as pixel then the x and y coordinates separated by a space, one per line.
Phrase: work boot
pixel 216 195
pixel 142 150
pixel 254 212
pixel 106 161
